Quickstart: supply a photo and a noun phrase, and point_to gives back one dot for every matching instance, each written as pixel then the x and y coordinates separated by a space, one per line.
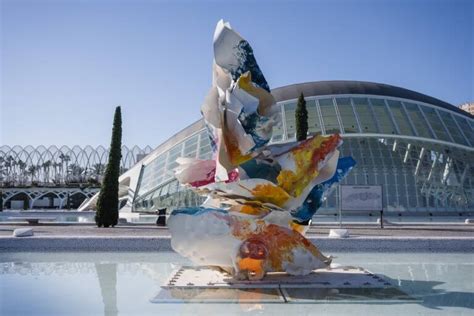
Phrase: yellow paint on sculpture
pixel 306 157
pixel 265 99
pixel 253 210
pixel 269 193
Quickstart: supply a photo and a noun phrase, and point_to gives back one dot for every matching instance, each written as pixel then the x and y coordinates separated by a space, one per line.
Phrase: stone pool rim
pixel 163 244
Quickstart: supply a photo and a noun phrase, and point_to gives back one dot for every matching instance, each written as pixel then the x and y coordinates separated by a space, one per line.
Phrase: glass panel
pixel 435 123
pixel 418 120
pixel 190 146
pixel 174 153
pixel 205 151
pixel 152 174
pixel 364 112
pixel 314 124
pixel 383 117
pixel 464 125
pixel 329 116
pixel 348 117
pixel 400 117
pixel 453 128
pixel 277 132
pixel 191 141
pixel 173 187
pixel 204 139
pixel 191 154
pixel 290 119
pixel 277 138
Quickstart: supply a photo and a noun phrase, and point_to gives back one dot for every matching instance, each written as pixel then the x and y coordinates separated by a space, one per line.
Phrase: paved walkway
pixel 362 230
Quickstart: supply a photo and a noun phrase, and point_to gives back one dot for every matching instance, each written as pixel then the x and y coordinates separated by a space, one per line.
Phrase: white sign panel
pixel 361 198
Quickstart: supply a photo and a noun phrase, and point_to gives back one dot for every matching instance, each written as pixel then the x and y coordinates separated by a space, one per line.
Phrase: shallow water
pixel 128 283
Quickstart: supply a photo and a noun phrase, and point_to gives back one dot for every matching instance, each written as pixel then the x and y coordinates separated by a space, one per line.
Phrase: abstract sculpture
pixel 260 198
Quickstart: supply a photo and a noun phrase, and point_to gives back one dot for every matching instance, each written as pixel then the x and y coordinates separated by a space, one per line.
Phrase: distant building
pixel 419 148
pixel 56 177
pixel 468 107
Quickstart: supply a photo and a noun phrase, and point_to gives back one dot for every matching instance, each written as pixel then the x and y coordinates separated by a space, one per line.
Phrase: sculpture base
pixel 335 284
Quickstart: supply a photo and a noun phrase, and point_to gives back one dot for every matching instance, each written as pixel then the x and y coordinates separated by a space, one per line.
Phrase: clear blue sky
pixel 66 64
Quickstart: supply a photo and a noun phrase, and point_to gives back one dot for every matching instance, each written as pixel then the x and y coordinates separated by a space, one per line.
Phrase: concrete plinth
pixel 206 285
pixel 339 233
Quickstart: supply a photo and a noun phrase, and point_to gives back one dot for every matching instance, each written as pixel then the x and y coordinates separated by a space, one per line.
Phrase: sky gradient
pixel 65 65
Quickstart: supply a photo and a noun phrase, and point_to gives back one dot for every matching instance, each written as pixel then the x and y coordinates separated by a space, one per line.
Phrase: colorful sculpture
pixel 260 197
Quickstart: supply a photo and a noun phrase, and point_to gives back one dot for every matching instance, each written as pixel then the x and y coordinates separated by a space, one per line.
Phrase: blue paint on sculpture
pixel 248 63
pixel 319 193
pixel 252 123
pixel 196 211
pixel 261 169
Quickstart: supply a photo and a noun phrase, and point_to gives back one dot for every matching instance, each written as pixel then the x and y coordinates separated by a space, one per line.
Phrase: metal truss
pixel 34 194
pixel 58 166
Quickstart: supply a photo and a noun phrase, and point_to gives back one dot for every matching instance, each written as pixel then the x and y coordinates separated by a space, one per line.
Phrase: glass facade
pixel 421 154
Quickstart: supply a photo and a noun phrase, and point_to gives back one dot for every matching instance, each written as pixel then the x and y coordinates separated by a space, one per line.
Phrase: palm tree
pixel 22 174
pixel 2 170
pixel 98 171
pixel 56 175
pixel 8 166
pixel 76 172
pixel 46 165
pixel 32 172
pixel 65 158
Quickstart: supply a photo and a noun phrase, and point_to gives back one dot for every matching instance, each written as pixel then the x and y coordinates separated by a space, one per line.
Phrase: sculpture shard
pixel 260 197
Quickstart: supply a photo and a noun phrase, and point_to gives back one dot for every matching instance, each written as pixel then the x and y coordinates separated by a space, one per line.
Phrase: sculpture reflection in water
pixel 260 197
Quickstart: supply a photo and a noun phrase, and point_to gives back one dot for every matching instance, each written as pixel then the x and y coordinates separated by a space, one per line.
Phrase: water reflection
pixel 107 275
pixel 124 283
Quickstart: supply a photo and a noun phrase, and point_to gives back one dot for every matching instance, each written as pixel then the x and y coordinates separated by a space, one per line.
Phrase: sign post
pixel 339 233
pixel 339 205
pixel 362 198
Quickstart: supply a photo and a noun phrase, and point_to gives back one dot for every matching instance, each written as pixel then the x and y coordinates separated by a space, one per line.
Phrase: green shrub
pixel 301 118
pixel 107 204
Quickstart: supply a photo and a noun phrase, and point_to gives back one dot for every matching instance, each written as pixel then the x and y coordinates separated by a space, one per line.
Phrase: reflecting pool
pixel 129 283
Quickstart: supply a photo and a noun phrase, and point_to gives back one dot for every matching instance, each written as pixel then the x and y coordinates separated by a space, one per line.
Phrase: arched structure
pixel 59 166
pixel 418 147
pixel 45 198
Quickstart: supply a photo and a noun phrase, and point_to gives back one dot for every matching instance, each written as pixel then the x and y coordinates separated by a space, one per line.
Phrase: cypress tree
pixel 301 118
pixel 107 203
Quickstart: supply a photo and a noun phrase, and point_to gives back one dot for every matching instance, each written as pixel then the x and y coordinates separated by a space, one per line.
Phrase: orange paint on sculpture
pixel 254 268
pixel 298 228
pixel 278 244
pixel 236 158
pixel 281 242
pixel 252 210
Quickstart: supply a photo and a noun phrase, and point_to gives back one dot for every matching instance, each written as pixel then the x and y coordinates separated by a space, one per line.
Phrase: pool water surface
pixel 109 283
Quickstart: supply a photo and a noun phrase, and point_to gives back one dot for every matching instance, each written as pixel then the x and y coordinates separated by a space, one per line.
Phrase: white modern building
pixel 419 148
